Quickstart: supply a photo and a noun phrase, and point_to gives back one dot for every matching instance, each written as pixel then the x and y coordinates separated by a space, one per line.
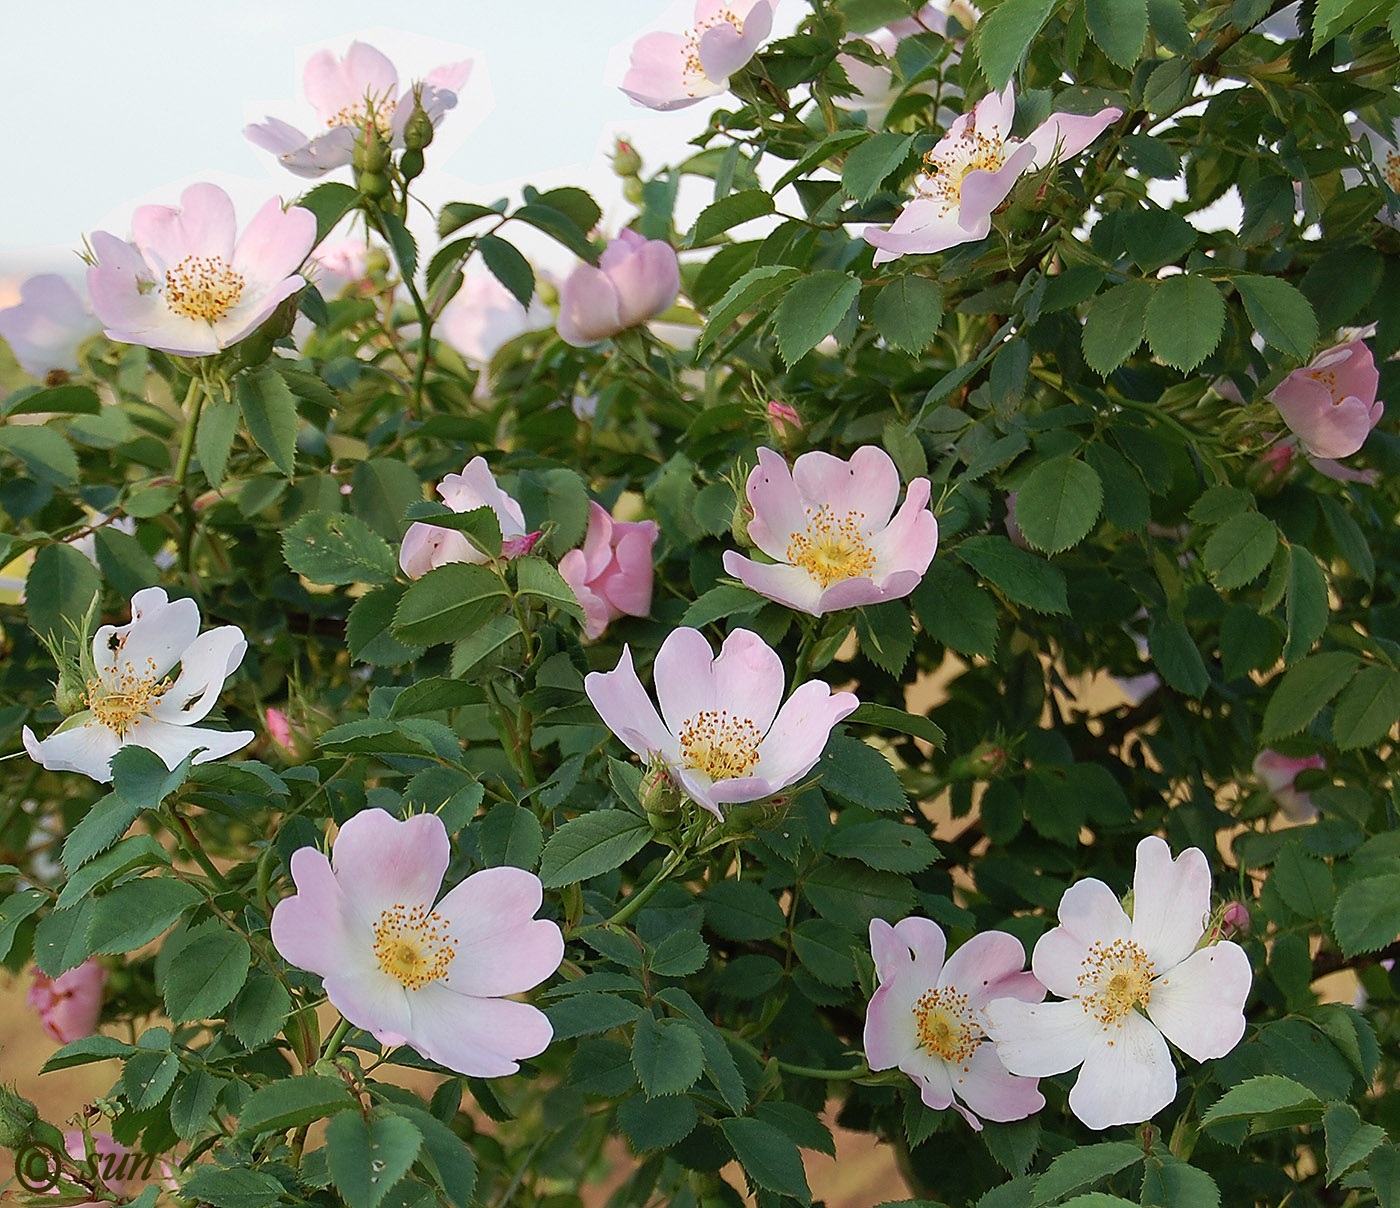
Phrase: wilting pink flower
pixel 780 415
pixel 46 326
pixel 670 71
pixel 612 574
pixel 484 315
pixel 187 284
pixel 1331 404
pixel 1278 772
pixel 1127 986
pixel 70 1004
pixel 723 736
pixel 972 169
pixel 426 546
pixel 347 95
pixel 131 700
pixel 827 524
pixel 636 279
pixel 926 1017
pixel 410 972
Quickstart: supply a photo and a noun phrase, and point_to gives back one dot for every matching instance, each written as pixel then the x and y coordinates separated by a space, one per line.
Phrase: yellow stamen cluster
pixel 831 549
pixel 720 744
pixel 946 1024
pixel 949 163
pixel 1391 170
pixel 1115 978
pixel 413 945
pixel 133 698
pixel 1329 379
pixel 692 73
pixel 203 287
pixel 379 109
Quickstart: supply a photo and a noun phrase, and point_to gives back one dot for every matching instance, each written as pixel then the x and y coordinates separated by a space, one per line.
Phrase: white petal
pixel 1127 1077
pixel 85 748
pixel 1199 1005
pixel 1171 899
pixel 1039 1039
pixel 204 666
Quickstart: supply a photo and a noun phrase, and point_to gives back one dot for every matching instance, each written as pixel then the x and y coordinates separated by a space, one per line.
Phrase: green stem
pixel 335 1040
pixel 644 895
pixel 193 404
pixel 810 1071
pixel 189 843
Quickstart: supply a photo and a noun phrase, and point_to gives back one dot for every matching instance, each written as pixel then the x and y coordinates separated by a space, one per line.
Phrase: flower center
pixel 1114 979
pixel 1391 170
pixel 831 549
pixel 946 1025
pixel 692 73
pixel 719 744
pixel 413 945
pixel 1328 379
pixel 203 287
pixel 948 164
pixel 134 697
pixel 380 109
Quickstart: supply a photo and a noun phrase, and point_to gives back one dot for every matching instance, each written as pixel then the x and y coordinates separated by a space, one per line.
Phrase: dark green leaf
pixel 1116 325
pixel 1280 313
pixel 868 163
pixel 1304 689
pixel 1185 319
pixel 508 266
pixel 209 972
pixel 770 1158
pixel 1240 550
pixel 333 548
pixel 1367 708
pixel 449 603
pixel 592 844
pixel 367 1157
pixel 667 1055
pixel 270 414
pixel 1024 578
pixel 811 309
pixel 907 313
pixel 1004 36
pixel 1058 503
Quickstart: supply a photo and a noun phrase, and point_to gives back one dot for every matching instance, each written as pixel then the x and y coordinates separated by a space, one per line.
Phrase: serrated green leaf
pixel 1004 36
pixel 209 972
pixel 868 163
pixel 366 1157
pixel 449 603
pixel 1349 1141
pixel 1305 603
pixel 270 414
pixel 1280 313
pixel 59 589
pixel 1240 550
pixel 135 912
pixel 1185 318
pixel 907 313
pixel 536 578
pixel 1081 1168
pixel 1178 658
pixel 810 311
pixel 1022 577
pixel 44 451
pixel 667 1055
pixel 1058 503
pixel 753 288
pixel 729 212
pixel 1367 708
pixel 1116 325
pixel 1119 27
pixel 592 844
pixel 1259 1096
pixel 508 266
pixel 1304 689
pixel 333 548
pixel 770 1158
pixel 1366 914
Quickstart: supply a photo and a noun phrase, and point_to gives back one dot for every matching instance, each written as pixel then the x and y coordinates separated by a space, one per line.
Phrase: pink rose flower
pixel 1278 772
pixel 434 977
pixel 724 737
pixel 340 264
pixel 612 574
pixel 1331 404
pixel 636 279
pixel 45 328
pixel 670 71
pixel 973 168
pixel 114 1166
pixel 833 534
pixel 1126 987
pixel 70 1004
pixel 187 284
pixel 426 546
pixel 347 94
pixel 484 315
pixel 926 1017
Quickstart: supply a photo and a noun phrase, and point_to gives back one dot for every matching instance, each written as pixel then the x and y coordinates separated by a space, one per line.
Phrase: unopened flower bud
pixel 659 797
pixel 985 761
pixel 1235 917
pixel 739 525
pixel 418 132
pixel 371 151
pixel 782 416
pixel 70 693
pixel 625 160
pixel 373 184
pixel 411 164
pixel 17 1116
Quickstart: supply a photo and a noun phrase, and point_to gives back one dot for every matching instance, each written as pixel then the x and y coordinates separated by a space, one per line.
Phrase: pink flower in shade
pixel 70 1004
pixel 279 726
pixel 1331 404
pixel 113 1166
pixel 612 574
pixel 131 700
pixel 833 534
pixel 347 94
pixel 433 977
pixel 636 279
pixel 484 315
pixel 1126 987
pixel 925 1017
pixel 933 18
pixel 46 326
pixel 426 546
pixel 723 736
pixel 971 170
pixel 1278 772
pixel 187 283
pixel 670 71
pixel 780 415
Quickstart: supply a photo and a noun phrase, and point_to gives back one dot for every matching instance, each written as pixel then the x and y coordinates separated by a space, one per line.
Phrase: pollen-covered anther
pixel 692 71
pixel 946 1025
pixel 119 708
pixel 413 945
pixel 380 108
pixel 1115 978
pixel 203 287
pixel 1391 171
pixel 720 744
pixel 831 549
pixel 947 166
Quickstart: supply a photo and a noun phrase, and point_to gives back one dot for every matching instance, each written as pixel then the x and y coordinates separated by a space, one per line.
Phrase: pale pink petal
pixel 723 49
pixel 790 585
pixel 627 711
pixel 479 1037
pixel 646 282
pixel 1171 901
pixel 890 1037
pixel 204 666
pixel 449 77
pixel 628 586
pixel 388 862
pixel 1040 1039
pixel 778 509
pixel 748 678
pixel 333 85
pixel 982 191
pixel 656 77
pixel 991 1092
pixel 684 676
pixel 274 245
pixel 86 748
pixel 1090 914
pixel 866 485
pixel 273 134
pixel 588 307
pixel 934 1077
pixel 477 487
pixel 991 965
pixel 574 571
pixel 426 547
pixel 1127 1078
pixel 204 225
pixel 861 590
pixel 118 285
pixel 316 928
pixel 889 950
pixel 371 999
pixel 701 789
pixel 1063 135
pixel 800 731
pixel 910 540
pixel 1199 1004
pixel 500 947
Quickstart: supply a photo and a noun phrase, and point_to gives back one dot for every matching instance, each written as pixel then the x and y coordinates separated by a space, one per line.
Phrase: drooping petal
pixel 273 134
pixel 1199 1004
pixel 1126 1079
pixel 389 862
pixel 1039 1039
pixel 479 1037
pixel 1063 135
pixel 87 748
pixel 993 1093
pixel 500 947
pixel 1171 901
pixel 173 742
pixel 934 1076
pixel 982 191
pixel 627 711
pixel 923 226
pixel 787 584
pixel 204 666
pixel 371 999
pixel 800 731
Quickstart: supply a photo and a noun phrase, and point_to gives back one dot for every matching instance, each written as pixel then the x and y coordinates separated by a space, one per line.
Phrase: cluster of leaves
pixel 712 998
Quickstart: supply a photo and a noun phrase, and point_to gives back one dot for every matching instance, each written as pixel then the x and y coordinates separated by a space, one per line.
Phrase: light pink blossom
pixel 279 727
pixel 426 546
pixel 972 169
pixel 612 574
pixel 340 264
pixel 1126 987
pixel 1278 772
pixel 670 71
pixel 723 737
pixel 434 977
pixel 187 283
pixel 70 1004
pixel 131 700
pixel 831 528
pixel 1331 404
pixel 347 94
pixel 636 279
pixel 926 1017
pixel 46 327
pixel 484 316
